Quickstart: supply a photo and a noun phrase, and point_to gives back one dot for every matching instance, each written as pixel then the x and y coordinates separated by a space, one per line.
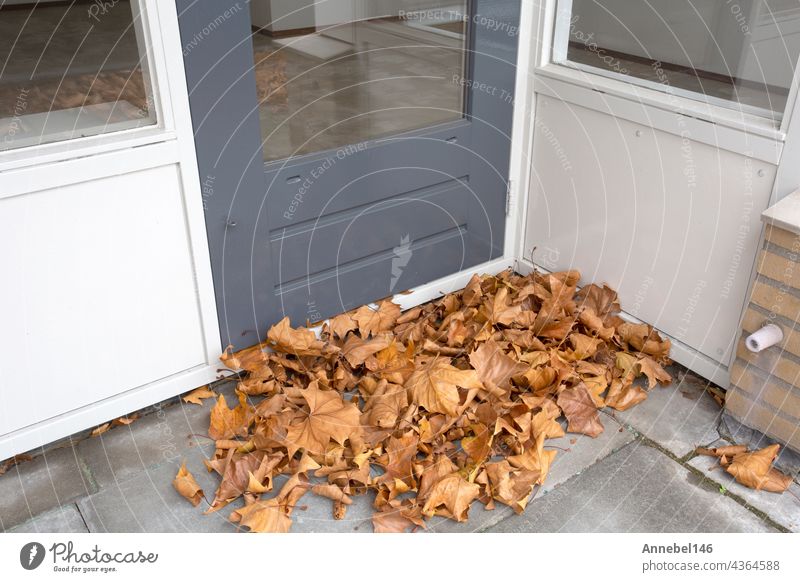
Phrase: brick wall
pixel 765 387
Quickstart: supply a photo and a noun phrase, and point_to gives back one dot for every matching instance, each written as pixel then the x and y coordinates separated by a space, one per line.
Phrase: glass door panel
pixel 69 70
pixel 345 71
pixel 739 55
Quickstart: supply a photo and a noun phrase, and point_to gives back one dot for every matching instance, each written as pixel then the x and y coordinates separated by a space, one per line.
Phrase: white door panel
pixel 98 293
pixel 672 224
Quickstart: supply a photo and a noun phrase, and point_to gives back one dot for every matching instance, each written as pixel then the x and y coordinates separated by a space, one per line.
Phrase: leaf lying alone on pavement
pixel 751 469
pixel 429 410
pixel 185 484
pixel 197 395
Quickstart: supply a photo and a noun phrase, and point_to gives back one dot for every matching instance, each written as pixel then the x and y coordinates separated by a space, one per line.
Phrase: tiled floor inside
pixel 639 475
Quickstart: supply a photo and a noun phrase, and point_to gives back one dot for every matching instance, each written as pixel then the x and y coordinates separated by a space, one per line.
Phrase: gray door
pixel 348 149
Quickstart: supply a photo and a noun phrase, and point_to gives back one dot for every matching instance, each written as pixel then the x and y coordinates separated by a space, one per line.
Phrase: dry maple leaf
pixel 227 422
pixel 755 470
pixel 455 494
pixel 434 385
pixel 385 405
pixel 623 394
pixel 494 366
pixel 357 350
pixel 580 410
pixel 342 324
pixel 250 359
pixel 267 516
pixel 374 321
pixel 654 372
pixel 329 418
pixel 197 395
pixel 300 342
pixel 186 485
pixel 498 310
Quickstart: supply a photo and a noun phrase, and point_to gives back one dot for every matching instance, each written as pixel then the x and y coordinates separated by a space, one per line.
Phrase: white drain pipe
pixel 766 337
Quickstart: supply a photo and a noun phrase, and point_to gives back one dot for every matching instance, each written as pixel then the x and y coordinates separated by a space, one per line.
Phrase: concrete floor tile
pixel 64 519
pixel 147 502
pixel 637 489
pixel 160 437
pixel 52 479
pixel 679 417
pixel 783 508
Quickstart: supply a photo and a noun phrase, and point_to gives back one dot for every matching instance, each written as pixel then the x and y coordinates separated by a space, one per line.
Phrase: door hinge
pixel 508 198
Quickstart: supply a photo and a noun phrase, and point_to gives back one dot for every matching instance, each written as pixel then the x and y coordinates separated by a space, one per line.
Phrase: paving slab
pixel 782 508
pixel 576 453
pixel 162 436
pixel 54 478
pixel 148 502
pixel 64 519
pixel 679 417
pixel 637 489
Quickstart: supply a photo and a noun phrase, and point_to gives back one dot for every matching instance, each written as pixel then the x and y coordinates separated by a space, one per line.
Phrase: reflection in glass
pixel 341 72
pixel 70 69
pixel 737 54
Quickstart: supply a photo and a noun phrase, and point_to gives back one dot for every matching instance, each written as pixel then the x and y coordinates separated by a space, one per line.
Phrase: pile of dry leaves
pixel 430 409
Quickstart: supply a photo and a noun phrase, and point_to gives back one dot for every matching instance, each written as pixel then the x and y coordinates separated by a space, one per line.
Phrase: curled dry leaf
pixel 197 395
pixel 186 485
pixel 430 410
pixel 755 470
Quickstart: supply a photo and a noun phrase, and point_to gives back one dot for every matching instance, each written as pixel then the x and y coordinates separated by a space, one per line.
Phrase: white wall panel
pixel 671 223
pixel 97 296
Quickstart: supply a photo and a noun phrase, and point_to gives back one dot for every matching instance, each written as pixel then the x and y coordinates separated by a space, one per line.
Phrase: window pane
pixel 70 70
pixel 343 71
pixel 739 54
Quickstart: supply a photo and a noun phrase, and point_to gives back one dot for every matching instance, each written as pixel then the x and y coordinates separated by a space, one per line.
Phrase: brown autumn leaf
pixel 374 321
pixel 434 385
pixel 654 372
pixel 452 497
pixel 494 366
pixel 755 470
pixel 263 516
pixel 357 350
pixel 498 310
pixel 186 485
pixel 580 410
pixel 197 395
pixel 391 521
pixel 623 394
pixel 329 418
pixel 299 342
pixel 385 405
pixel 342 324
pixel 250 359
pixel 227 423
pixel 479 445
pixel 103 428
pixel 332 492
